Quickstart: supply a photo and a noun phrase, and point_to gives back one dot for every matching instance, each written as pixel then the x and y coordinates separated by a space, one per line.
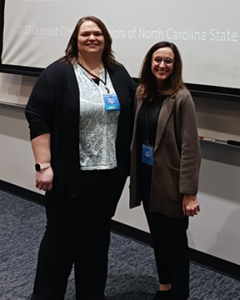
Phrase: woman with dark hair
pixel 165 165
pixel 80 120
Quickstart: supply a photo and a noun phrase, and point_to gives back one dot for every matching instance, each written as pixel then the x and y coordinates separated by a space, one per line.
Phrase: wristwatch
pixel 39 167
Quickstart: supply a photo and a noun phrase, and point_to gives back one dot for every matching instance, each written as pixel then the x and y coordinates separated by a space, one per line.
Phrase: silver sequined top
pixel 98 127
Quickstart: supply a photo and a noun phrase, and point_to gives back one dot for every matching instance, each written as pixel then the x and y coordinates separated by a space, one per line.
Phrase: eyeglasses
pixel 167 61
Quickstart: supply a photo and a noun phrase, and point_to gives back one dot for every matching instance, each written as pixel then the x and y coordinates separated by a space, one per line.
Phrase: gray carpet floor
pixel 132 270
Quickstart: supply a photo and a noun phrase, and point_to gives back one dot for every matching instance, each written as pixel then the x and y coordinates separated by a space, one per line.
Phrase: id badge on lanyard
pixel 111 102
pixel 147 155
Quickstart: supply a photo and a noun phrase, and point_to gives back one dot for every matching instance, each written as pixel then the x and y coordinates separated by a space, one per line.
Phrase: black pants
pixel 171 251
pixel 170 243
pixel 78 232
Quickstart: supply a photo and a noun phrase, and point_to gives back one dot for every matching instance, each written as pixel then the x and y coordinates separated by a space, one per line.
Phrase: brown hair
pixel 71 51
pixel 148 82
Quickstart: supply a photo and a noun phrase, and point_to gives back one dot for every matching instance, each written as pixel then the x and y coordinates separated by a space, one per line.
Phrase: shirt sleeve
pixel 132 86
pixel 40 107
pixel 190 148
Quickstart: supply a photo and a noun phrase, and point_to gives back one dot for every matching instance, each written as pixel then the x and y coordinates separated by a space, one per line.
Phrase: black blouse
pixel 147 121
pixel 147 129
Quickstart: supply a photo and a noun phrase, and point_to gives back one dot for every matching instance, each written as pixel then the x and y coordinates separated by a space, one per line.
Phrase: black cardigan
pixel 53 107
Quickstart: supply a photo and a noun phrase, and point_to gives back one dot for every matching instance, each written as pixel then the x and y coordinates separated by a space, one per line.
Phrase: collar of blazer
pixel 164 115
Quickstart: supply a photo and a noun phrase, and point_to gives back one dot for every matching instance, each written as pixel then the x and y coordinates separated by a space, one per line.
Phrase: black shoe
pixel 163 295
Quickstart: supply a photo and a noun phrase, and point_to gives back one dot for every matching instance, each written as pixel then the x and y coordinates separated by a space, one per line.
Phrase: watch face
pixel 37 167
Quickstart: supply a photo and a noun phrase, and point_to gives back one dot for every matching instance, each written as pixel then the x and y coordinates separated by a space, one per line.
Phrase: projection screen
pixel 207 33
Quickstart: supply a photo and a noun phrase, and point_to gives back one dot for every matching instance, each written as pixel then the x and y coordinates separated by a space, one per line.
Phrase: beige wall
pixel 214 231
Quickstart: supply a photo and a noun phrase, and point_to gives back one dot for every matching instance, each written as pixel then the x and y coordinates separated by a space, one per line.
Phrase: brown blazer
pixel 176 157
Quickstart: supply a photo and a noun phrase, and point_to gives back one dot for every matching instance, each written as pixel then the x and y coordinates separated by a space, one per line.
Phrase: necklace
pixel 95 76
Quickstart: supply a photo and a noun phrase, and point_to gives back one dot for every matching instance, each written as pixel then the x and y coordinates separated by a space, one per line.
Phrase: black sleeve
pixel 132 86
pixel 41 104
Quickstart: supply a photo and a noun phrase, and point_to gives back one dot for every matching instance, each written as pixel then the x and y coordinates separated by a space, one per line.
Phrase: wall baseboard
pixel 197 257
pixel 205 260
pixel 22 192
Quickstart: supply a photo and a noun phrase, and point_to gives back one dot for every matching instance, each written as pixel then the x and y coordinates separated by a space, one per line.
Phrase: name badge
pixel 111 102
pixel 147 155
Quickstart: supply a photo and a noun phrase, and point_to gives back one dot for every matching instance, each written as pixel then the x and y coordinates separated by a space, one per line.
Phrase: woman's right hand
pixel 44 179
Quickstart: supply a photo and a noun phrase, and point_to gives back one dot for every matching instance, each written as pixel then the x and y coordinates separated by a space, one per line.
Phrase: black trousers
pixel 170 243
pixel 171 251
pixel 78 233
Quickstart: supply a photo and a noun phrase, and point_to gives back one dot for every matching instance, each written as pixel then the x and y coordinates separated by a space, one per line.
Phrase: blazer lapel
pixel 164 115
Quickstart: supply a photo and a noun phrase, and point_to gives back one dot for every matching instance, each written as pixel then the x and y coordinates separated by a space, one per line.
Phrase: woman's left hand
pixel 190 205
